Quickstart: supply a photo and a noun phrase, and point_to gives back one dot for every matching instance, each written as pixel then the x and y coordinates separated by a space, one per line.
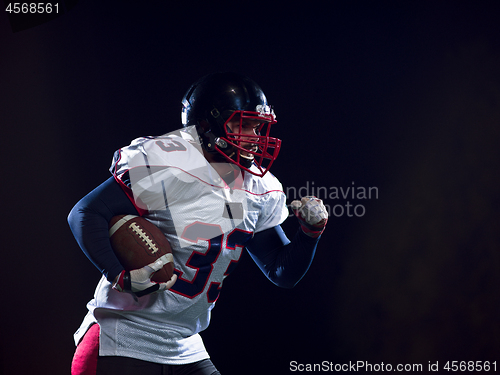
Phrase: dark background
pixel 402 97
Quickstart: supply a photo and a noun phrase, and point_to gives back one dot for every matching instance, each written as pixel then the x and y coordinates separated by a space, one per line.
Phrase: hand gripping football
pixel 138 242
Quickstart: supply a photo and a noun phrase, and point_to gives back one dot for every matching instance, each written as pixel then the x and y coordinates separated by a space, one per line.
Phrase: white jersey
pixel 207 224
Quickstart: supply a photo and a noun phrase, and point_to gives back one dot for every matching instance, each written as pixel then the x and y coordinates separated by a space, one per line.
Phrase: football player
pixel 209 190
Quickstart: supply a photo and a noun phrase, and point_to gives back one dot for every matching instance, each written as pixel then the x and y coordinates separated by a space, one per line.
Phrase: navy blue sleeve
pixel 282 261
pixel 89 220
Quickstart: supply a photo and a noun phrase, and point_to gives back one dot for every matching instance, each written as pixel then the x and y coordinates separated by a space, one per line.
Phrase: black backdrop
pixel 398 97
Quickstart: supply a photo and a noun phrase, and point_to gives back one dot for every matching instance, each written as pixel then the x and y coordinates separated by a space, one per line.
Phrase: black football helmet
pixel 218 98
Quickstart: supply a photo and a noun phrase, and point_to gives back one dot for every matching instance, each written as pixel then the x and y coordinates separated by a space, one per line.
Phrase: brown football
pixel 137 243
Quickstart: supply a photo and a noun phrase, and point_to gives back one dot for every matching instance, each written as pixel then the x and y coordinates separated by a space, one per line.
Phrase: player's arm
pixel 89 220
pixel 285 262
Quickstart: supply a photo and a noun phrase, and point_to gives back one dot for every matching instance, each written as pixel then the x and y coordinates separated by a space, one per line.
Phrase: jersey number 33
pixel 208 262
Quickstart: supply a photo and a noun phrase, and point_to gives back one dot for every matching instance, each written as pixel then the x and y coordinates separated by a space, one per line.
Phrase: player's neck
pixel 227 171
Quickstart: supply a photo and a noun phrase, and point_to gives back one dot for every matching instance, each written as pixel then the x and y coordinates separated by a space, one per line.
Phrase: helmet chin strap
pixel 211 141
pixel 246 157
pixel 208 139
pixel 246 161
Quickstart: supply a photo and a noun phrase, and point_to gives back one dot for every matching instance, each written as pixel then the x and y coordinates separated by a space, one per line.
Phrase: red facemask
pixel 259 149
